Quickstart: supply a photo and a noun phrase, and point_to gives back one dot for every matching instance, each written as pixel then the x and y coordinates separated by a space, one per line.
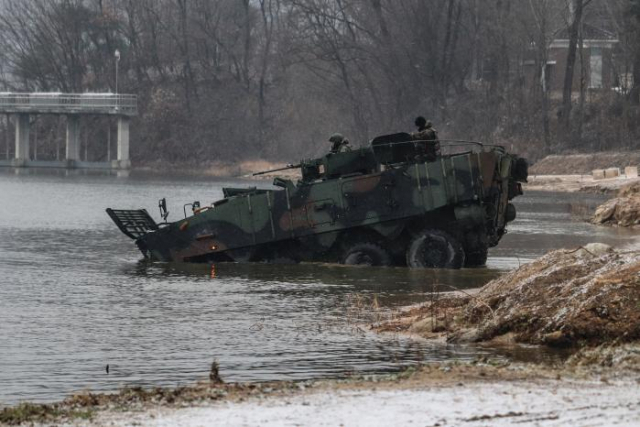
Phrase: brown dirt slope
pixel 584 164
pixel 589 296
pixel 623 210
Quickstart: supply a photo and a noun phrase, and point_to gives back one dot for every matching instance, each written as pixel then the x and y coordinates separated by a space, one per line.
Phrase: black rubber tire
pixel 366 253
pixel 272 254
pixel 435 249
pixel 241 255
pixel 476 248
pixel 283 260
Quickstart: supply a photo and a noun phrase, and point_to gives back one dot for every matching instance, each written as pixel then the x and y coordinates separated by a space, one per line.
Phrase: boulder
pixel 631 171
pixel 611 173
pixel 622 211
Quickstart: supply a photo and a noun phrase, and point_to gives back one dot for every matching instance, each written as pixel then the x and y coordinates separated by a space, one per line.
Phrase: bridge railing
pixel 71 103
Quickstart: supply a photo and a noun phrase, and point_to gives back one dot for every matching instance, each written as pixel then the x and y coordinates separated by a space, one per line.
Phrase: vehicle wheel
pixel 277 256
pixel 282 260
pixel 241 255
pixel 476 249
pixel 435 249
pixel 366 254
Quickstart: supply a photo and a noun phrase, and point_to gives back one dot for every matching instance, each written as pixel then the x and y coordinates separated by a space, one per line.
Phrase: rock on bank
pixel 624 210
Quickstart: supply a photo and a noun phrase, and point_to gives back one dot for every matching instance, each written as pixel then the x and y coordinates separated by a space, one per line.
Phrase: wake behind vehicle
pixel 394 202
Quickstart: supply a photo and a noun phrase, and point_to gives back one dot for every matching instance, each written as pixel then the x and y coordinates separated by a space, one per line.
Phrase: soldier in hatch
pixel 339 143
pixel 429 135
pixel 426 131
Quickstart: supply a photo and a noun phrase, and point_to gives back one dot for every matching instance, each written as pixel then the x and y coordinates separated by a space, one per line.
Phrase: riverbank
pixel 577 183
pixel 483 392
pixel 584 297
pixel 573 172
pixel 621 211
pixel 584 164
pixel 245 169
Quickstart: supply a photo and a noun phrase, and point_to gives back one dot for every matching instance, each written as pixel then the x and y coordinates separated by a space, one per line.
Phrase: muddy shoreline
pixel 594 313
pixel 577 183
pixel 567 182
pixel 162 406
pixel 584 299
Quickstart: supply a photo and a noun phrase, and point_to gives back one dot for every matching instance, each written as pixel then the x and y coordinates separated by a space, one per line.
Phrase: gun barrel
pixel 277 170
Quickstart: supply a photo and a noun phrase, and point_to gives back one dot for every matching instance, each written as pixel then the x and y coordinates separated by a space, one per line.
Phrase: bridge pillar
pixel 73 139
pixel 123 161
pixel 22 140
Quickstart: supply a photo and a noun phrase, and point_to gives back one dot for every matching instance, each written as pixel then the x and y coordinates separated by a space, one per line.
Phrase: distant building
pixel 597 56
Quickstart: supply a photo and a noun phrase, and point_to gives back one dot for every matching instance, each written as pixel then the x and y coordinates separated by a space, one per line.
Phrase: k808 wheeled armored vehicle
pixel 393 202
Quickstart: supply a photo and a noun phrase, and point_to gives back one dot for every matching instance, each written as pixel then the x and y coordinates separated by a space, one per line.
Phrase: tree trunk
pixel 583 94
pixel 475 63
pixel 574 29
pixel 7 139
pixel 542 57
pixel 444 75
pixel 247 42
pixel 187 70
pixel 382 24
pixel 635 91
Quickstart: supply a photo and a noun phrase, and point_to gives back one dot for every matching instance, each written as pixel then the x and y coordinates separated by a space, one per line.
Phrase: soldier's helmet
pixel 336 138
pixel 420 121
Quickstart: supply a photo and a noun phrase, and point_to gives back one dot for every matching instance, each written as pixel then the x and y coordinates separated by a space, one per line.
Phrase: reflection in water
pixel 393 287
pixel 74 295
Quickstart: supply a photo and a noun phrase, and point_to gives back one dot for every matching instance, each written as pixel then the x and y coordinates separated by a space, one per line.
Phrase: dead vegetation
pixel 625 357
pixel 83 406
pixel 585 297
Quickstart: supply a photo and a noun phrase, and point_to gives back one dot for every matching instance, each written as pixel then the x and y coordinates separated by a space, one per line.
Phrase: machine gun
pixel 279 169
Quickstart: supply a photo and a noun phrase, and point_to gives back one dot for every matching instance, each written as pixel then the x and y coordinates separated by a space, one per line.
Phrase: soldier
pixel 427 133
pixel 338 143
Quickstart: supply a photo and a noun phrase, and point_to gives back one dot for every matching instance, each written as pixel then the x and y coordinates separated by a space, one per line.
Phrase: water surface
pixel 75 295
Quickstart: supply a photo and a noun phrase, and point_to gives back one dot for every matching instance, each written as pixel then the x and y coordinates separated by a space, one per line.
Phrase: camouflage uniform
pixel 428 134
pixel 339 143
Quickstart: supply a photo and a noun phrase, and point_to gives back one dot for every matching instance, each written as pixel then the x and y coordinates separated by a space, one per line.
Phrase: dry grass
pixel 44 414
pixel 87 406
pixel 589 296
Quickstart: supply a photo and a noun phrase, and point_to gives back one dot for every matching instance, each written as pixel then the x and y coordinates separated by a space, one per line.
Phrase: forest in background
pixel 228 80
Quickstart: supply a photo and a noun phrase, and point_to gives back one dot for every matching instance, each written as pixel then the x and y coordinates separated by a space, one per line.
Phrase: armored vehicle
pixel 394 202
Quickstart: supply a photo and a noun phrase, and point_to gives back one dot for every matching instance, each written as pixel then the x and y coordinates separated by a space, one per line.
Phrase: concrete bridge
pixel 22 105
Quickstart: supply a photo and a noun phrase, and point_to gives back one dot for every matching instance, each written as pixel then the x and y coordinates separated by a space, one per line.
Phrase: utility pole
pixel 117 55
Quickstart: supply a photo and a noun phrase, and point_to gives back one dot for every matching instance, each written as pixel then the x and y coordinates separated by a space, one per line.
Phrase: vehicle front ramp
pixel 134 223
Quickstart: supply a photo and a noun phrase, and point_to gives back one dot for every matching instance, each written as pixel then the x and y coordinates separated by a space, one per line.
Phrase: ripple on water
pixel 74 296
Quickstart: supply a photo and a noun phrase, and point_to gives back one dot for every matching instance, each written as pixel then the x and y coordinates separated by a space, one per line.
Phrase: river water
pixel 75 295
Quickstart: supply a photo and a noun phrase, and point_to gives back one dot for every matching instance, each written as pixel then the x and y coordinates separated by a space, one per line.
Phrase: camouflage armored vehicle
pixel 394 202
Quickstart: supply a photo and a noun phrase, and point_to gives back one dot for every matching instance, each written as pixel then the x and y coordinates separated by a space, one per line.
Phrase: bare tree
pixel 227 79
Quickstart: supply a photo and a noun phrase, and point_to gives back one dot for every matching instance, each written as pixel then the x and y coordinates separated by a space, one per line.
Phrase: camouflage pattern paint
pixel 347 196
